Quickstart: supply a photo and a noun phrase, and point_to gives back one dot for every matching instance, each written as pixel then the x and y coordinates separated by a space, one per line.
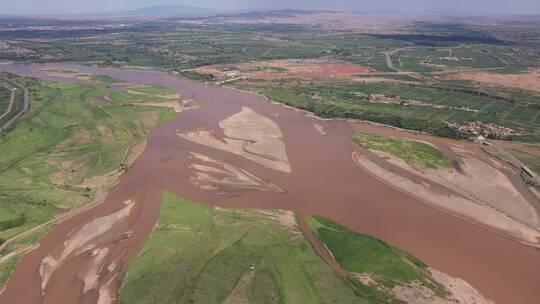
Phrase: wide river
pixel 324 180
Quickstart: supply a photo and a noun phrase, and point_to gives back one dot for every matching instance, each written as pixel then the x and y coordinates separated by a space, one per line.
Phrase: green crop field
pixel 361 254
pixel 417 154
pixel 200 254
pixel 441 106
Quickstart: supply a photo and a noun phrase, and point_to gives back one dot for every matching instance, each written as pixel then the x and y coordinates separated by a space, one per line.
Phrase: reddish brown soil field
pixel 529 81
pixel 276 69
pixel 314 71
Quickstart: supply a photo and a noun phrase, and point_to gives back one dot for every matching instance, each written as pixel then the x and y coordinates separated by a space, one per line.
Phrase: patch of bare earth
pixel 240 293
pixel 211 174
pixel 250 135
pixel 107 294
pixel 415 292
pixel 479 182
pixel 178 107
pixel 134 152
pixel 321 129
pixel 453 199
pixel 462 291
pixel 105 133
pixel 529 81
pixel 93 237
pixel 67 74
pixel 288 68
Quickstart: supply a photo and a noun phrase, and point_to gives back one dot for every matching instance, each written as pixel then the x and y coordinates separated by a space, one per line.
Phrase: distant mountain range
pixel 173 11
pixel 254 14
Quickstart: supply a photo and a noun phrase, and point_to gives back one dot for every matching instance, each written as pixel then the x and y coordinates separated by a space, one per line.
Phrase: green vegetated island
pixel 203 254
pixel 66 152
pixel 416 154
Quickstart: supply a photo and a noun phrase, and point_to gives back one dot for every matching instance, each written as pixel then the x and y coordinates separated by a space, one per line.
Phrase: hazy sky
pixel 421 6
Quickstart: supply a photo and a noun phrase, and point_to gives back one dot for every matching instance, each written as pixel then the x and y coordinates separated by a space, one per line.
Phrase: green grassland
pixel 361 254
pixel 66 148
pixel 201 254
pixel 417 154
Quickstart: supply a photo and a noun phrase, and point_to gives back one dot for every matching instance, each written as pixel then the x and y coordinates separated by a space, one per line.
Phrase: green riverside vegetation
pixel 106 79
pixel 201 254
pixel 417 154
pixel 361 254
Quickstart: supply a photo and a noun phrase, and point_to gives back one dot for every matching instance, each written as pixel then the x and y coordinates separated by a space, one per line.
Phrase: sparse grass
pixel 361 254
pixel 106 79
pixel 200 254
pixel 153 90
pixel 529 154
pixel 417 154
pixel 166 115
pixel 127 98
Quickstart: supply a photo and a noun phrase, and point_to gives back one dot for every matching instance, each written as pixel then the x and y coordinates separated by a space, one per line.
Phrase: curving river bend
pixel 324 180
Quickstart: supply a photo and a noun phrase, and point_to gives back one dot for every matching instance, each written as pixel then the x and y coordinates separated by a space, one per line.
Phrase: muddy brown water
pixel 324 181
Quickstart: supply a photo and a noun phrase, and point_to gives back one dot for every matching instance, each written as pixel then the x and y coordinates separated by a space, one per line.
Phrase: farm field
pixel 407 106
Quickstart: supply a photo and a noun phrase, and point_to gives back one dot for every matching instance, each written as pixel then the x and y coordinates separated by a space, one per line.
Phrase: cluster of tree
pixel 199 76
pixel 441 40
